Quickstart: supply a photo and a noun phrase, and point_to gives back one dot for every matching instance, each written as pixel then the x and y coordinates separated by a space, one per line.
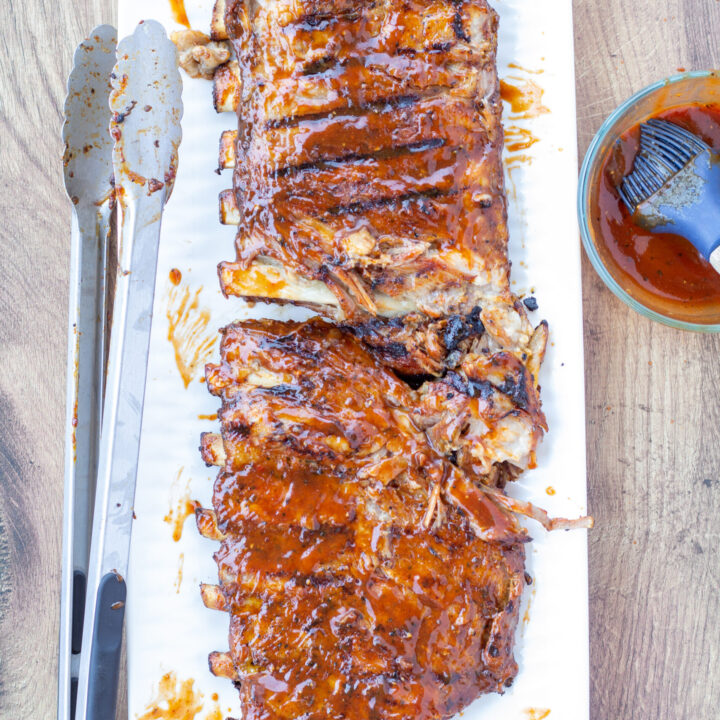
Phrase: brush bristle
pixel 665 149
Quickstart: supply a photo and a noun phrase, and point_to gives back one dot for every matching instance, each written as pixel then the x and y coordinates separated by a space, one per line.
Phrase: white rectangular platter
pixel 168 628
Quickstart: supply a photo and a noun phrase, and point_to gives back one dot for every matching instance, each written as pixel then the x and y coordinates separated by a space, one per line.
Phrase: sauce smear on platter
pixel 189 331
pixel 182 509
pixel 537 713
pixel 525 99
pixel 175 700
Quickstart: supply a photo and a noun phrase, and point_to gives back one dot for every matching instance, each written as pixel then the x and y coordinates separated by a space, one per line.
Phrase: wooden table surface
pixel 653 394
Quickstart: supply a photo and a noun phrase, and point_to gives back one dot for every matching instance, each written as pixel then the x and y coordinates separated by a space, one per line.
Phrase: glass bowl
pixel 697 87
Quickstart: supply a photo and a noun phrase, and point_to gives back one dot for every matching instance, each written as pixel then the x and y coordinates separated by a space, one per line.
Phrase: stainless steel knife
pixel 146 110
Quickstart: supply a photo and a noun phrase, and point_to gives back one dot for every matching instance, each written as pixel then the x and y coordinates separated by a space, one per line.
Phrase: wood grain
pixel 653 394
pixel 653 413
pixel 36 49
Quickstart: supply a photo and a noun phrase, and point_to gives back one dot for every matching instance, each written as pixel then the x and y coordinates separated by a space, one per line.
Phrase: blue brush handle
pixel 689 205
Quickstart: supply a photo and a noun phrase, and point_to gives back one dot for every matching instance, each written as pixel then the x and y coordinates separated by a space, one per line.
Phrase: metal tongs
pixel 133 161
pixel 89 183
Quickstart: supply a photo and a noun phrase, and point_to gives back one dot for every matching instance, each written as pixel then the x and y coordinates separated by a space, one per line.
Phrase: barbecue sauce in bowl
pixel 662 271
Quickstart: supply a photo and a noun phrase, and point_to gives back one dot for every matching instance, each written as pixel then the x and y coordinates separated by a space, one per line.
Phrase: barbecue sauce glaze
pixel 663 271
pixel 382 137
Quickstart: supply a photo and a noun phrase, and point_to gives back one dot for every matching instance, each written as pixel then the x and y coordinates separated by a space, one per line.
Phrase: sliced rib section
pixel 368 159
pixel 364 574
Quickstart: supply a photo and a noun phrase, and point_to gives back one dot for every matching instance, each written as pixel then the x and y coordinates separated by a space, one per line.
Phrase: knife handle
pixel 105 650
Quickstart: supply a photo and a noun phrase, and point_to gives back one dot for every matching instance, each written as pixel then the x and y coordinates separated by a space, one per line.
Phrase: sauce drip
pixel 537 713
pixel 663 271
pixel 525 99
pixel 175 276
pixel 179 14
pixel 183 508
pixel 515 66
pixel 175 700
pixel 188 331
pixel 179 579
pixel 517 138
pixel 517 160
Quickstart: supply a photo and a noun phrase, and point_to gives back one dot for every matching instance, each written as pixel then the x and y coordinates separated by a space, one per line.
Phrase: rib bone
pixel 207 524
pixel 221 665
pixel 212 597
pixel 211 449
pixel 229 213
pixel 226 155
pixel 217 22
pixel 226 87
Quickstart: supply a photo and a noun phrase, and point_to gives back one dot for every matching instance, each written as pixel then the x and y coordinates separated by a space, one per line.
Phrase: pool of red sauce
pixel 662 271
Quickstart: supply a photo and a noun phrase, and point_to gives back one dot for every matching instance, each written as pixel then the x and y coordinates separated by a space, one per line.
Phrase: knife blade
pixel 146 110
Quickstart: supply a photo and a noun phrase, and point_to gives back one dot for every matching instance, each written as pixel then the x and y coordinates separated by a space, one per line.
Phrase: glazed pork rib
pixel 370 561
pixel 368 181
pixel 364 574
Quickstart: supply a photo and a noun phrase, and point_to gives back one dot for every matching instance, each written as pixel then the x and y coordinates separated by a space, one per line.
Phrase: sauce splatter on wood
pixel 537 713
pixel 188 331
pixel 175 276
pixel 180 509
pixel 525 99
pixel 179 579
pixel 175 700
pixel 178 12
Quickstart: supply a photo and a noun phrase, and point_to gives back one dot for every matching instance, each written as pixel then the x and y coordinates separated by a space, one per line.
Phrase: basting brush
pixel 674 187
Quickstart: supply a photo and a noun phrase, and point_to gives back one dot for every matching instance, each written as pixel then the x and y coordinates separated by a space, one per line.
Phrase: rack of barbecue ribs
pixel 367 171
pixel 366 575
pixel 370 559
pixel 338 524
